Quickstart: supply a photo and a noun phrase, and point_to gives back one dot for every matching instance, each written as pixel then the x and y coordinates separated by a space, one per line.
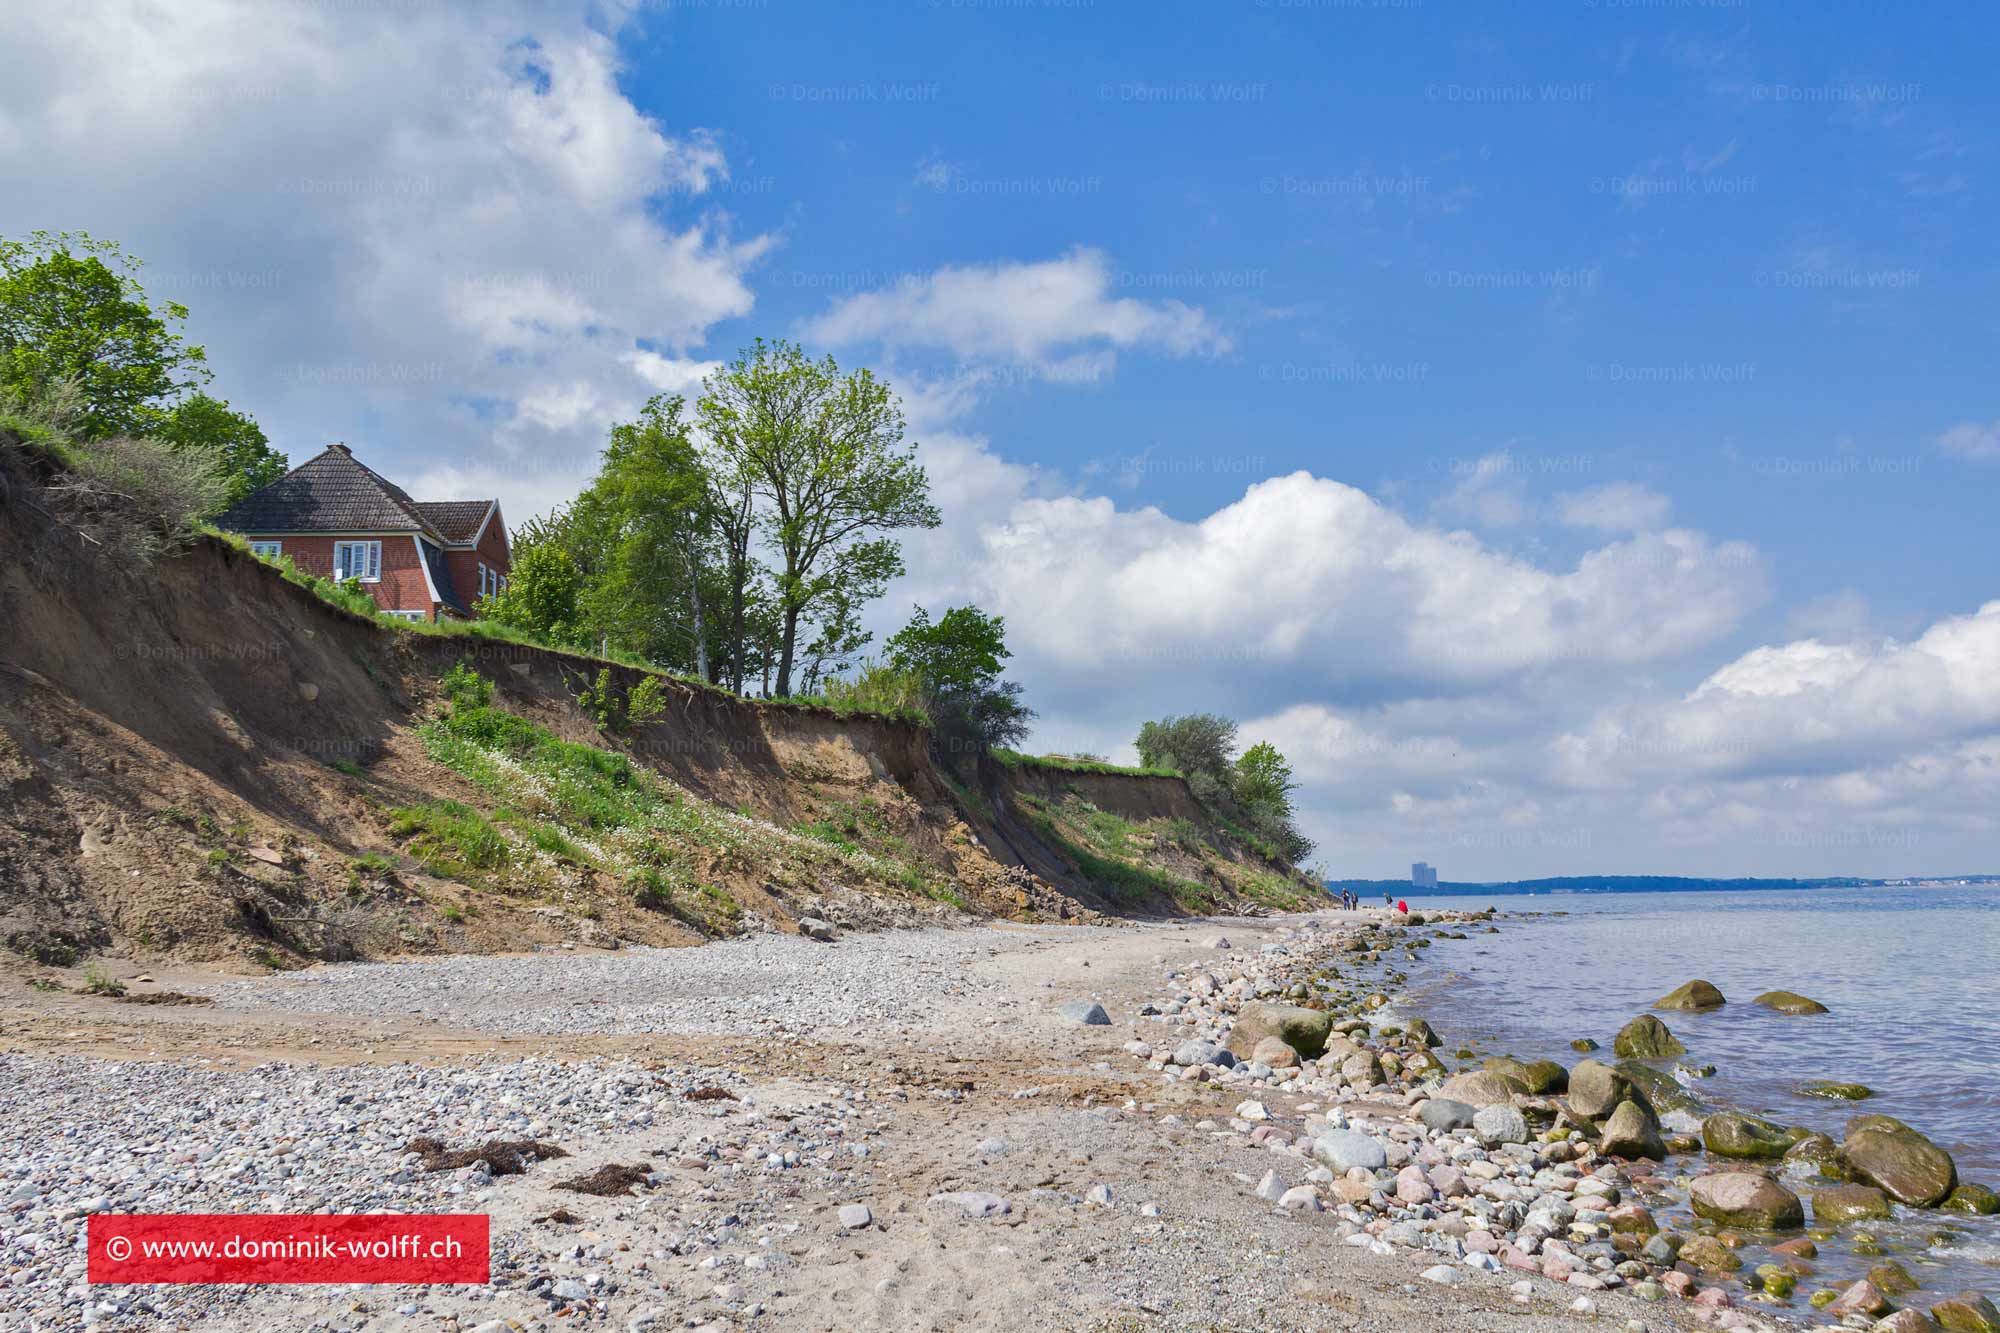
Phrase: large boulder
pixel 1646 1038
pixel 1304 1030
pixel 1899 1161
pixel 1746 1199
pixel 1694 995
pixel 1595 1089
pixel 1967 1312
pixel 1421 1033
pixel 1631 1132
pixel 1482 1088
pixel 1345 1149
pixel 1661 1088
pixel 1847 1203
pixel 1741 1137
pixel 1789 1002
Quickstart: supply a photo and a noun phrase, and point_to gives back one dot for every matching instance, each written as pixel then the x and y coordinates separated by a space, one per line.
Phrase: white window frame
pixel 265 550
pixel 407 615
pixel 486 580
pixel 371 561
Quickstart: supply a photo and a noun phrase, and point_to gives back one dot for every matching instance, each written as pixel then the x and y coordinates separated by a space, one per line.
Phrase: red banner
pixel 289 1247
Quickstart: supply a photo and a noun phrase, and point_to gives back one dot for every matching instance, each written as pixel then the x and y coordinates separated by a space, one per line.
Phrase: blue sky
pixel 1569 430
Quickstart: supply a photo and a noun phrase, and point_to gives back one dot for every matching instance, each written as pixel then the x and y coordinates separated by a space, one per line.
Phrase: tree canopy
pixel 74 318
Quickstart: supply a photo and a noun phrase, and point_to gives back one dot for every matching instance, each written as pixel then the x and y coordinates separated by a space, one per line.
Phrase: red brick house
pixel 336 517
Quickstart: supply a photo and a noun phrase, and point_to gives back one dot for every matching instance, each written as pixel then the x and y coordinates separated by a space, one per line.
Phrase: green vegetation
pixel 1063 763
pixel 96 983
pixel 957 662
pixel 562 804
pixel 1095 840
pixel 74 322
pixel 1250 797
pixel 660 555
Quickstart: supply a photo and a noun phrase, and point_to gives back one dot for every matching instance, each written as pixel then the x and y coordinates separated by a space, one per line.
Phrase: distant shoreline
pixel 1607 884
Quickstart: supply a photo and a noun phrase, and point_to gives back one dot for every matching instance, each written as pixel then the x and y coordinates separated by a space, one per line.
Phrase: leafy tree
pixel 656 488
pixel 962 650
pixel 540 596
pixel 1196 745
pixel 1264 778
pixel 959 659
pixel 1252 791
pixel 234 441
pixel 824 452
pixel 71 309
pixel 72 313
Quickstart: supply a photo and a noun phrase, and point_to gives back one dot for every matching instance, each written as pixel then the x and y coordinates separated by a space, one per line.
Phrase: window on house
pixel 407 615
pixel 358 560
pixel 267 550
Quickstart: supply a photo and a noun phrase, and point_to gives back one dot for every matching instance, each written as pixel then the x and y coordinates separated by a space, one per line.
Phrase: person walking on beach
pixel 1388 898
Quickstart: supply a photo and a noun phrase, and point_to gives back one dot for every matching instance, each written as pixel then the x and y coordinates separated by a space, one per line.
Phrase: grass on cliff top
pixel 357 602
pixel 569 804
pixel 1062 763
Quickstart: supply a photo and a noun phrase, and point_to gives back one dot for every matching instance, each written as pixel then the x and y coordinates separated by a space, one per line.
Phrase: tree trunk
pixel 785 650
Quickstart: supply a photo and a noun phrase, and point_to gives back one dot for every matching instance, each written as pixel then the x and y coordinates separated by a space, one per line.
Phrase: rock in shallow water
pixel 1693 995
pixel 1789 1002
pixel 1905 1165
pixel 1646 1038
pixel 1975 1199
pixel 1967 1312
pixel 1741 1137
pixel 1845 1203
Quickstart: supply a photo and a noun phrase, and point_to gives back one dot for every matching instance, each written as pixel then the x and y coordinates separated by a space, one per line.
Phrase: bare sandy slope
pixel 969 1081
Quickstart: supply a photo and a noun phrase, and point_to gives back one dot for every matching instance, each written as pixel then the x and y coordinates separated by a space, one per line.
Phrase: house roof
pixel 458 520
pixel 333 491
pixel 330 492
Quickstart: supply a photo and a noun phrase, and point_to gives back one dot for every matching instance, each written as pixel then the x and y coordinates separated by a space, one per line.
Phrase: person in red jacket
pixel 1402 906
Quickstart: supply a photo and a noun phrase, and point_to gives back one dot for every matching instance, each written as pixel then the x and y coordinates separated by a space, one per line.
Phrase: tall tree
pixel 825 452
pixel 654 481
pixel 72 312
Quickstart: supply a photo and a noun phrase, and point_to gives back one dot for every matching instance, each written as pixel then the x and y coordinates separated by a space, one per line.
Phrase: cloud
pixel 1810 708
pixel 1978 441
pixel 1055 315
pixel 1318 577
pixel 1617 507
pixel 442 233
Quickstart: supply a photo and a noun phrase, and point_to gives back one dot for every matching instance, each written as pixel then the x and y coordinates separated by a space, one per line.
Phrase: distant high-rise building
pixel 1423 875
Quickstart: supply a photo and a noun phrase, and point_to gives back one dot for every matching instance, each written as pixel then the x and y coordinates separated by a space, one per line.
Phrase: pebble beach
pixel 1231 1124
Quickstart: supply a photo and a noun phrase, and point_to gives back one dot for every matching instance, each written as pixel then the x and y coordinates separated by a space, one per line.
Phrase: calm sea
pixel 1910 975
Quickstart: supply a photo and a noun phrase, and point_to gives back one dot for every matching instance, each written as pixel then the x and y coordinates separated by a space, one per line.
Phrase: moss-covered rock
pixel 1583 1045
pixel 1846 1203
pixel 1836 1091
pixel 1709 1255
pixel 1789 1002
pixel 1745 1138
pixel 1975 1199
pixel 1692 995
pixel 1892 1278
pixel 1646 1038
pixel 1967 1312
pixel 1482 1088
pixel 1545 1078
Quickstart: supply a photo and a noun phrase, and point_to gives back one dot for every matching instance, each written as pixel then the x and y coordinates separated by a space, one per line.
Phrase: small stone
pixel 1302 1197
pixel 1496 1125
pixel 973 1203
pixel 1086 1012
pixel 814 928
pixel 1098 1195
pixel 1444 1275
pixel 855 1216
pixel 1270 1188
